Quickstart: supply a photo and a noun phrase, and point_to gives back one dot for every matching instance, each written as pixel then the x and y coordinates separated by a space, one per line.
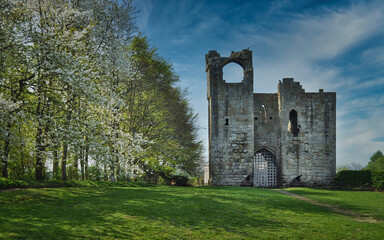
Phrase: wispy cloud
pixel 145 8
pixel 374 56
pixel 357 138
pixel 297 48
pixel 362 105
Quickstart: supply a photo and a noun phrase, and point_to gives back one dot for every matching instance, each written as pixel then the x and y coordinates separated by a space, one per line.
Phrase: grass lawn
pixel 184 213
pixel 371 203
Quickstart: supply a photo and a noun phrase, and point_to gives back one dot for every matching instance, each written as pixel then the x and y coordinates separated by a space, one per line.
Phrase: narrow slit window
pixel 292 125
pixel 226 121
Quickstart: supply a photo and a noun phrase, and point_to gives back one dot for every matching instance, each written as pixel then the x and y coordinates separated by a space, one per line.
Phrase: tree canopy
pixel 84 97
pixel 376 162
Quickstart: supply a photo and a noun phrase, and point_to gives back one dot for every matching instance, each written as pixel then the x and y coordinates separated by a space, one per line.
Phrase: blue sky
pixel 334 45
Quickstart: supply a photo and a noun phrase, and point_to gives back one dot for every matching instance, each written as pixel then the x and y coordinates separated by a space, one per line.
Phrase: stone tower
pixel 267 139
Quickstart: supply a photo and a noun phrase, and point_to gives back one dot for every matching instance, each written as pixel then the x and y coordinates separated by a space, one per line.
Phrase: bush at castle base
pixel 360 179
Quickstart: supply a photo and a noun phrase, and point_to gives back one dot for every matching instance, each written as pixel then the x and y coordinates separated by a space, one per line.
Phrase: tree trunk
pixel 105 173
pixel 64 162
pixel 55 162
pixel 64 176
pixel 76 168
pixel 82 163
pixel 5 166
pixel 6 152
pixel 117 171
pixel 39 150
pixel 86 163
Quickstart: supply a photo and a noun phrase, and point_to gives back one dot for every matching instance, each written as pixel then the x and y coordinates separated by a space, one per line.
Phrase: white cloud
pixel 327 36
pixel 374 56
pixel 296 49
pixel 356 138
pixel 368 103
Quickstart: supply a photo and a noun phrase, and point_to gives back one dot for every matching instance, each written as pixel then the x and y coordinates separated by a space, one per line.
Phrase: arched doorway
pixel 265 169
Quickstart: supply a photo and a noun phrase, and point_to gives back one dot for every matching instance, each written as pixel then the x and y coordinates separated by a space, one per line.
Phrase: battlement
pixel 289 84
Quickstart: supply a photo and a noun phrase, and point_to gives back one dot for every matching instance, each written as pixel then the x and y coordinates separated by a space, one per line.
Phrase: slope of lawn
pixel 180 213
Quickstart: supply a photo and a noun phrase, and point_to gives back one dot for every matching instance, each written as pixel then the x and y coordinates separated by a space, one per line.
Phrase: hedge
pixel 360 179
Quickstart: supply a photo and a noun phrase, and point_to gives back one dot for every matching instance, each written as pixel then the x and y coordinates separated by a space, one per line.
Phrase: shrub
pixel 378 179
pixel 354 178
pixel 196 181
pixel 8 183
pixel 179 180
pixel 360 179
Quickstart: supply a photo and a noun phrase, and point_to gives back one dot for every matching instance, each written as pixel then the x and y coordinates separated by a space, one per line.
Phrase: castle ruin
pixel 268 139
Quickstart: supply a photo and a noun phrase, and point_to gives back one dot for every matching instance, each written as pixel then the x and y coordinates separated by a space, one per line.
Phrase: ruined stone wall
pixel 267 125
pixel 231 120
pixel 298 128
pixel 312 152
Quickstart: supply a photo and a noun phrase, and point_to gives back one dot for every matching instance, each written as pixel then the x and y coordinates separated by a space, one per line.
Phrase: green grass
pixel 10 184
pixel 359 201
pixel 183 213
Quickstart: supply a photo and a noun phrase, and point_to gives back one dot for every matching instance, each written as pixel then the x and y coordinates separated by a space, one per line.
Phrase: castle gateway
pixel 268 139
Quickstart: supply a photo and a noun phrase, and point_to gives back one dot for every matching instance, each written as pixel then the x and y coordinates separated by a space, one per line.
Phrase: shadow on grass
pixel 121 212
pixel 359 201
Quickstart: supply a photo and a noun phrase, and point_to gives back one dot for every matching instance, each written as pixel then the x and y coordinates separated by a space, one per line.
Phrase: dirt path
pixel 360 217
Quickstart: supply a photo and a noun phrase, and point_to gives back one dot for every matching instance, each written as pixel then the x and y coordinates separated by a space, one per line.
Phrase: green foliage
pixel 196 181
pixel 378 179
pixel 378 154
pixel 354 178
pixel 95 173
pixel 76 85
pixel 184 213
pixel 9 184
pixel 376 162
pixel 6 183
pixel 360 179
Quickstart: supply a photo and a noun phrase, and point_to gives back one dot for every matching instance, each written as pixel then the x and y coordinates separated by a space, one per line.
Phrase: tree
pixel 160 111
pixel 14 74
pixel 77 88
pixel 376 162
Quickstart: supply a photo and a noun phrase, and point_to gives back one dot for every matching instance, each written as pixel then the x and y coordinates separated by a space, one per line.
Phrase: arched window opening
pixel 233 73
pixel 292 125
pixel 265 172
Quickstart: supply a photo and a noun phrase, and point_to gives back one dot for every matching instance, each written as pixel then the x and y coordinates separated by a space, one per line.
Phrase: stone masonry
pixel 267 139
